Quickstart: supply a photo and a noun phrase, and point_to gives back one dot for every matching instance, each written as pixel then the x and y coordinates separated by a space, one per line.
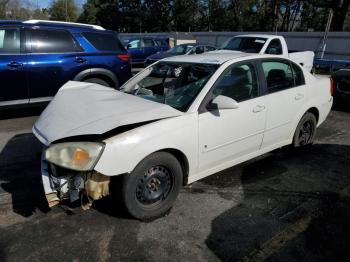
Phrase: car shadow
pixel 20 174
pixel 294 207
pixel 20 178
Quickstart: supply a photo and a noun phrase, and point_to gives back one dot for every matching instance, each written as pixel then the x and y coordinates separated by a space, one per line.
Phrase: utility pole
pixel 66 11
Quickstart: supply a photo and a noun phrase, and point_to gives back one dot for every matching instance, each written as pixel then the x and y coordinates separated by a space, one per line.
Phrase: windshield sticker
pixel 259 41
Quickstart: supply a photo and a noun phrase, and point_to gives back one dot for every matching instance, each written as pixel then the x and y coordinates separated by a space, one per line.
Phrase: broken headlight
pixel 80 156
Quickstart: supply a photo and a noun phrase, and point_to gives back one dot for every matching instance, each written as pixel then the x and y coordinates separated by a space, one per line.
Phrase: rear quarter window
pixel 103 42
pixel 298 75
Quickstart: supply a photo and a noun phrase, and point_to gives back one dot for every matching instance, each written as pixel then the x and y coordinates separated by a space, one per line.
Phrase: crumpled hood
pixel 91 109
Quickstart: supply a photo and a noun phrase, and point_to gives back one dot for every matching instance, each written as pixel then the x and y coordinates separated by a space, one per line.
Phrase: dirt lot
pixel 283 206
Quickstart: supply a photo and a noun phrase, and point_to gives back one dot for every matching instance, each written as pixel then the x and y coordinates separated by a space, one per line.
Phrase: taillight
pixel 331 86
pixel 123 57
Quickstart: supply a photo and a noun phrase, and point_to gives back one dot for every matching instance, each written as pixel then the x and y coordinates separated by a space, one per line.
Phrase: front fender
pixel 124 151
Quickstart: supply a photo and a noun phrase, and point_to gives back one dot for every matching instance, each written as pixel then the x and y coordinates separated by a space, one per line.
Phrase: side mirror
pixel 222 102
pixel 272 51
pixel 128 46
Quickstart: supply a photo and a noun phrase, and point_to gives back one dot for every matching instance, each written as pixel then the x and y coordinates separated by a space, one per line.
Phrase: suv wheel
pixel 97 81
pixel 151 189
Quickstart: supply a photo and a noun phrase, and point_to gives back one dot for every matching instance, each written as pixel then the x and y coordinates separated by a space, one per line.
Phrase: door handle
pixel 14 64
pixel 258 108
pixel 80 60
pixel 299 96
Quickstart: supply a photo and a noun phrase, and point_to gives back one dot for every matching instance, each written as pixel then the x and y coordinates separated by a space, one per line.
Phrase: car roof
pixel 257 35
pixel 55 24
pixel 214 58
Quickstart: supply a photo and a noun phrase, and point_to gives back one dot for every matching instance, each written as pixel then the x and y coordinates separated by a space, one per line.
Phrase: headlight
pixel 80 156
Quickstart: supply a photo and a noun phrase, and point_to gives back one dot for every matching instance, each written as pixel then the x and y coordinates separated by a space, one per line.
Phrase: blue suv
pixel 143 47
pixel 38 57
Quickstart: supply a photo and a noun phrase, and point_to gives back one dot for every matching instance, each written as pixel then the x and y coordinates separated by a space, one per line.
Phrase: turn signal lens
pixel 80 157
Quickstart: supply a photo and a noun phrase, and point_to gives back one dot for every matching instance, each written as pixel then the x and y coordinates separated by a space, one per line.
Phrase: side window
pixel 52 41
pixel 209 48
pixel 278 74
pixel 103 42
pixel 238 82
pixel 9 41
pixel 134 44
pixel 274 48
pixel 159 42
pixel 199 49
pixel 148 43
pixel 298 75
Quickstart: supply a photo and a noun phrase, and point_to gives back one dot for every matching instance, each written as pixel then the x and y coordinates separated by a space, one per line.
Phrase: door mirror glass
pixel 222 102
pixel 272 51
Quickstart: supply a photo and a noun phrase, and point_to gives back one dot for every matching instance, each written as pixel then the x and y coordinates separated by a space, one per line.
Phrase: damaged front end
pixel 81 187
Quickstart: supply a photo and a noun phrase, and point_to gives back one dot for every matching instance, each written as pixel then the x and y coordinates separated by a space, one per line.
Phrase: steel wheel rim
pixel 306 133
pixel 155 186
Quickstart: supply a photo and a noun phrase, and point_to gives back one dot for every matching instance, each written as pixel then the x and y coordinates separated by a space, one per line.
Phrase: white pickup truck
pixel 267 44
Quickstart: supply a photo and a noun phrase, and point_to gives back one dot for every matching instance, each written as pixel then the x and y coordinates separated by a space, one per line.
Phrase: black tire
pixel 152 188
pixel 305 132
pixel 97 81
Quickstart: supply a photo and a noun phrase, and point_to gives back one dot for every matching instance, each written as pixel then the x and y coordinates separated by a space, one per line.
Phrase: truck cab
pixel 267 44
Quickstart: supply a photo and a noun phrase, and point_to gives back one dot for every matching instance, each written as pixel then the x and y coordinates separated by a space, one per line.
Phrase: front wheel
pixel 151 189
pixel 305 132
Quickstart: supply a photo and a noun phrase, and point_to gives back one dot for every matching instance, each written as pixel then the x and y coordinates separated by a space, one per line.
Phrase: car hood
pixel 159 56
pixel 91 109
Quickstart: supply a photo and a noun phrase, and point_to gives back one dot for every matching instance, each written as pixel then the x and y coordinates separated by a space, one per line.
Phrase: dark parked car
pixel 341 84
pixel 38 57
pixel 183 49
pixel 141 48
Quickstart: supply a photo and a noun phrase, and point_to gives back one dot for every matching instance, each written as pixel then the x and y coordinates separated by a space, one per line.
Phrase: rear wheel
pixel 151 189
pixel 305 133
pixel 97 81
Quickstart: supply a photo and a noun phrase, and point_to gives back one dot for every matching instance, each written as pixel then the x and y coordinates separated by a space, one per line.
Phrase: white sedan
pixel 177 121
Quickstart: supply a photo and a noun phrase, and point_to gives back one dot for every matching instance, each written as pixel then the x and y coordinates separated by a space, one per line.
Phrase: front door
pixel 13 87
pixel 230 134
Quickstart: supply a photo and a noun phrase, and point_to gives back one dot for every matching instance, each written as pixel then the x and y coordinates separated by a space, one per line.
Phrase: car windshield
pixel 244 44
pixel 173 84
pixel 180 49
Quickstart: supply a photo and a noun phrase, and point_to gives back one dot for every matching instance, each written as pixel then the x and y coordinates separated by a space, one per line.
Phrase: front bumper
pixel 60 184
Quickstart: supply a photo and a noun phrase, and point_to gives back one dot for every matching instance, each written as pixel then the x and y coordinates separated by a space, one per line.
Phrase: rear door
pixel 13 87
pixel 285 91
pixel 54 58
pixel 149 47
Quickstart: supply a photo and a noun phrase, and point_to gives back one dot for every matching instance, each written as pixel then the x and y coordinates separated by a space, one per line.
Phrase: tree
pixel 89 13
pixel 63 10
